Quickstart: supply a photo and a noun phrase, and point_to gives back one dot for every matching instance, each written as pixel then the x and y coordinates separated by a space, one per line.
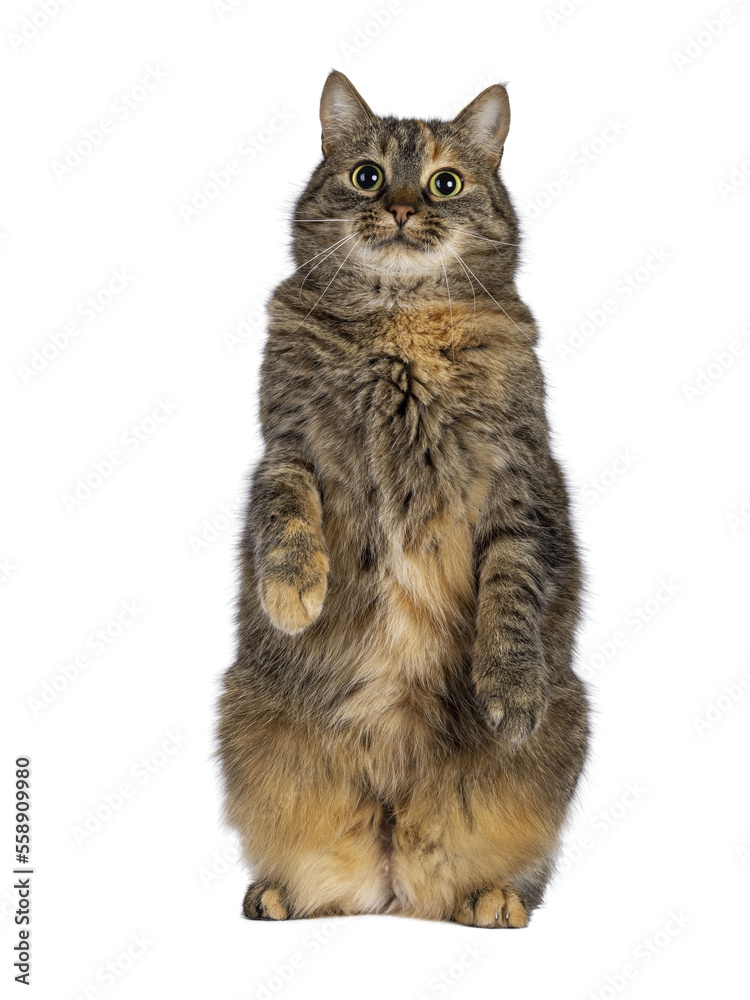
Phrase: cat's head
pixel 408 197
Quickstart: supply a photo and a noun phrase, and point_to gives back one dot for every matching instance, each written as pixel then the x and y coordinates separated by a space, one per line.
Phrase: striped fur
pixel 402 730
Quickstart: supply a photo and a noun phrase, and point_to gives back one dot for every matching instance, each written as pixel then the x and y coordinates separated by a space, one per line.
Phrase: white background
pixel 662 825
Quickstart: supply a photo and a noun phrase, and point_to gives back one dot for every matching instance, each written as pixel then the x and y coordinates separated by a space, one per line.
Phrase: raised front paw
pixel 513 700
pixel 292 590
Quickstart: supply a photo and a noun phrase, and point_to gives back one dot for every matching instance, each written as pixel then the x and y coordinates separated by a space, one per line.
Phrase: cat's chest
pixel 399 421
pixel 418 419
pixel 416 383
pixel 409 404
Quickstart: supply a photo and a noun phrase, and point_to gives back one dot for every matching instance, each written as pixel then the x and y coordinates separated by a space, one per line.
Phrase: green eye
pixel 367 177
pixel 445 183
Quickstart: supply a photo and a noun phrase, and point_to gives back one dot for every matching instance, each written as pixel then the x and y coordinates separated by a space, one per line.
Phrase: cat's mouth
pixel 399 238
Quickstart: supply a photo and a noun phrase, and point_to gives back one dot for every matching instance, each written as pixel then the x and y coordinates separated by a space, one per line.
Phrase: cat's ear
pixel 487 120
pixel 342 110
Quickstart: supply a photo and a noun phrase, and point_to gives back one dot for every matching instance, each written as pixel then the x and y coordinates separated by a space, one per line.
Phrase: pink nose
pixel 401 212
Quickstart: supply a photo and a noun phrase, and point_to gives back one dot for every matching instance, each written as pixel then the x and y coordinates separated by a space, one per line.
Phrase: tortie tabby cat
pixel 402 731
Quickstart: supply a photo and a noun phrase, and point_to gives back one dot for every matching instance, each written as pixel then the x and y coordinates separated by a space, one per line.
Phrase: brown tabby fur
pixel 402 731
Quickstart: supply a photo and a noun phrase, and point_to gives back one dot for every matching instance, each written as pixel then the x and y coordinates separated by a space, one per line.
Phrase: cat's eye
pixel 445 183
pixel 367 177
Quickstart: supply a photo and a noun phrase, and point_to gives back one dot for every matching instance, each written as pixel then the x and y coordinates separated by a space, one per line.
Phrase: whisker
pixel 362 253
pixel 340 243
pixel 331 247
pixel 321 220
pixel 450 304
pixel 525 335
pixel 366 249
pixel 329 283
pixel 477 237
pixel 473 291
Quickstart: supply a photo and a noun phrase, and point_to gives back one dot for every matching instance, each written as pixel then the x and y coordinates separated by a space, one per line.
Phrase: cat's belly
pixel 421 632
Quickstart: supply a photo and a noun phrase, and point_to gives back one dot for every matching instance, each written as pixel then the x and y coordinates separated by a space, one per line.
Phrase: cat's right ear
pixel 486 121
pixel 342 110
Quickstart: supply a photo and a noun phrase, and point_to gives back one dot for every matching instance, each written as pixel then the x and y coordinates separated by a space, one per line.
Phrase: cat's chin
pixel 412 262
pixel 400 255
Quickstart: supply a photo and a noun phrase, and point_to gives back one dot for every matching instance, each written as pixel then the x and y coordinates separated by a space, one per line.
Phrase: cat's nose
pixel 401 213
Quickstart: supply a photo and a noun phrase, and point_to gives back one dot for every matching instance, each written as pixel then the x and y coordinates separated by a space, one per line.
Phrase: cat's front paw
pixel 513 701
pixel 292 593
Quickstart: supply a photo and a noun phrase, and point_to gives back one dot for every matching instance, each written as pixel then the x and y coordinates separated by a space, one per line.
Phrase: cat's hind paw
pixel 499 907
pixel 264 902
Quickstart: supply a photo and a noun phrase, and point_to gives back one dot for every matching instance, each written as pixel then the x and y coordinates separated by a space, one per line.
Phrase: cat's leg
pixel 320 852
pixel 476 841
pixel 319 857
pixel 312 832
pixel 479 857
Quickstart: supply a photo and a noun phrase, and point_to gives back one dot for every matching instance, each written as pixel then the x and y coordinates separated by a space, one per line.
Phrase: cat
pixel 402 731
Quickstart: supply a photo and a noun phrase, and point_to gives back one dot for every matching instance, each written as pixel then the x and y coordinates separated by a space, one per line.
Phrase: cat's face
pixel 408 196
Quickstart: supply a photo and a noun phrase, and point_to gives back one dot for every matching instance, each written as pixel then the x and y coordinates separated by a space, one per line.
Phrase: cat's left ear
pixel 486 121
pixel 342 110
